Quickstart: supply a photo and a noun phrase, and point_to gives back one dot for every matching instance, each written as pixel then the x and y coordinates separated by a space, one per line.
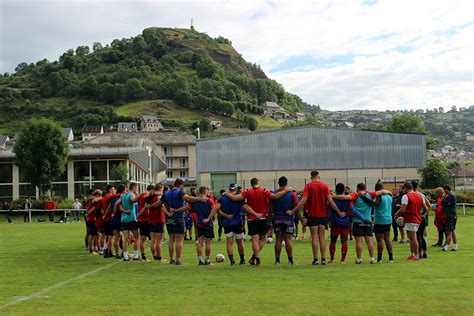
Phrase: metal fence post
pixel 29 215
pixel 464 208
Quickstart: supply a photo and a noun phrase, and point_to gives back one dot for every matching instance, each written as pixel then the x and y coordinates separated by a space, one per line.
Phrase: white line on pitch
pixel 53 287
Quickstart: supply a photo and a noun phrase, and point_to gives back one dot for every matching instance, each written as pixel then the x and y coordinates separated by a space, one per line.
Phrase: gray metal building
pixel 342 155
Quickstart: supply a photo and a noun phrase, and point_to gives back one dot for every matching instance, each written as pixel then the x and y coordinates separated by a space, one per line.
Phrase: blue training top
pixel 117 217
pixel 127 205
pixel 283 204
pixel 203 209
pixel 383 211
pixel 230 207
pixel 174 199
pixel 364 209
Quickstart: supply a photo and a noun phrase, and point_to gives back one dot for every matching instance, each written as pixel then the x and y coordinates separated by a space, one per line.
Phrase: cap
pixel 233 186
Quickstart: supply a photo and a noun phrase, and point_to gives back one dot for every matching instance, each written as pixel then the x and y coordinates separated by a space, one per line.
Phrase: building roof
pixel 127 126
pixel 67 131
pixel 149 118
pixel 309 147
pixel 4 139
pixel 92 129
pixel 142 138
pixel 270 104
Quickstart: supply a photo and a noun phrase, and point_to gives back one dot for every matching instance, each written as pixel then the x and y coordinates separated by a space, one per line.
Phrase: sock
pixel 207 258
pixel 155 258
pixel 390 256
pixel 158 258
pixel 379 256
pixel 358 260
pixel 315 260
pixel 323 259
pixel 446 247
pixel 290 259
pixel 242 257
pixel 277 259
pixel 231 258
pixel 200 258
pixel 455 246
pixel 135 254
pixel 332 249
pixel 343 252
pixel 253 257
pixel 372 259
pixel 143 255
pixel 125 255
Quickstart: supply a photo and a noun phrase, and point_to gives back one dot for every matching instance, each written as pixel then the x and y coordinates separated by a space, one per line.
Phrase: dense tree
pixel 205 125
pixel 251 123
pixel 434 174
pixel 41 152
pixel 206 68
pixel 407 123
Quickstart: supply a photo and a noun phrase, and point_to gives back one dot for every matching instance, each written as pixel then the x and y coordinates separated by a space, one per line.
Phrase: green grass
pixel 40 255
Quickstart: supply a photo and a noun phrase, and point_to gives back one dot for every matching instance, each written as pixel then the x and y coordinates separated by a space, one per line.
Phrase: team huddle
pixel 119 217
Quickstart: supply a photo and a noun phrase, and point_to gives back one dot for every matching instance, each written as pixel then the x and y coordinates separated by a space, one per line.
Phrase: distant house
pixel 281 116
pixel 89 132
pixel 216 124
pixel 347 124
pixel 300 116
pixel 4 139
pixel 68 133
pixel 150 123
pixel 469 137
pixel 270 107
pixel 127 127
pixel 458 135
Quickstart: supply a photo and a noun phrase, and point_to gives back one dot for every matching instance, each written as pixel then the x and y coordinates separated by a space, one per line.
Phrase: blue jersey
pixel 117 217
pixel 203 209
pixel 283 204
pixel 383 211
pixel 128 205
pixel 364 209
pixel 174 199
pixel 343 206
pixel 230 207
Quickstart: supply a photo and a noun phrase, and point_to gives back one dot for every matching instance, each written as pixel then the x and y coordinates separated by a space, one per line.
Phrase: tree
pixel 205 68
pixel 42 152
pixel 205 125
pixel 134 89
pixel 251 123
pixel 407 123
pixel 120 173
pixel 435 173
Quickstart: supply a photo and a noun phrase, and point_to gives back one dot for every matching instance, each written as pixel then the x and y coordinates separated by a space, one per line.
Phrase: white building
pixel 90 132
pixel 150 123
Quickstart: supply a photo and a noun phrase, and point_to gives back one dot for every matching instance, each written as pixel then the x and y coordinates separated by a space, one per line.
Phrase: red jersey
pixel 98 213
pixel 317 198
pixel 141 205
pixel 50 205
pixel 440 218
pixel 258 200
pixel 412 213
pixel 105 204
pixel 90 217
pixel 155 215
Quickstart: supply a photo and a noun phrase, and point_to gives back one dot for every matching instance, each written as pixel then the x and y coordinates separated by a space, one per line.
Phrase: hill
pixel 187 71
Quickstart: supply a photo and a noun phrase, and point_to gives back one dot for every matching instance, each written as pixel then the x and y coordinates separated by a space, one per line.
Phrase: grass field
pixel 45 270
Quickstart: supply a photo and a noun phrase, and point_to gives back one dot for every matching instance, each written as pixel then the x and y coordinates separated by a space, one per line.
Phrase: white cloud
pixel 404 53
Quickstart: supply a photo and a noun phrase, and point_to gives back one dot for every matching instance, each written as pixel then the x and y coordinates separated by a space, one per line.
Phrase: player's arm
pixel 157 204
pixel 107 211
pixel 181 209
pixel 142 212
pixel 334 206
pixel 117 204
pixel 358 215
pixel 234 197
pixel 342 197
pixel 249 210
pixel 276 196
pixel 192 199
pixel 401 210
pixel 382 192
pixel 213 212
pixel 298 206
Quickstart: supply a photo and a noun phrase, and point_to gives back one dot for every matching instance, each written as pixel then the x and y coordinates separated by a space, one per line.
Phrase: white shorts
pixel 237 236
pixel 411 227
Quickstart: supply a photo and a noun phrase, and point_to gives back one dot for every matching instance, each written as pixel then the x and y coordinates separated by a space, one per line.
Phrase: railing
pixel 45 212
pixel 464 206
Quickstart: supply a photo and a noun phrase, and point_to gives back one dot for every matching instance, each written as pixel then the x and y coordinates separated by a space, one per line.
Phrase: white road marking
pixel 40 293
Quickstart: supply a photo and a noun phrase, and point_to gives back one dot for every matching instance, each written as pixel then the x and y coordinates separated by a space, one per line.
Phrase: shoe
pixel 413 259
pixel 453 249
pixel 358 261
pixel 331 261
pixel 291 263
pixel 144 258
pixel 342 262
pixel 257 261
pixel 126 259
pixel 302 238
pixel 425 256
pixel 207 262
pixel 172 261
pixel 201 263
pixel 395 239
pixel 117 256
pixel 390 261
pixel 178 262
pixel 136 259
pixel 436 245
pixel 323 262
pixel 379 261
pixel 252 261
pixel 242 262
pixel 315 262
pixel 372 261
pixel 232 263
pixel 401 241
pixel 94 253
pixel 408 258
pixel 277 263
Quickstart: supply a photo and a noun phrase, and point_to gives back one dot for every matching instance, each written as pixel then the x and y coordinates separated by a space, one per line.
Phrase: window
pixel 27 190
pixel 81 189
pixel 182 162
pixel 59 189
pixel 112 165
pixel 6 173
pixel 168 151
pixel 81 171
pixel 99 170
pixel 169 162
pixel 182 173
pixel 169 173
pixel 6 192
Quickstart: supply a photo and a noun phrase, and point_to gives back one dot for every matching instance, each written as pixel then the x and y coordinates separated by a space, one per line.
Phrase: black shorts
pixel 451 222
pixel 286 227
pixel 205 232
pixel 156 228
pixel 257 227
pixel 91 228
pixel 382 228
pixel 116 226
pixel 362 230
pixel 108 229
pixel 144 229
pixel 130 226
pixel 315 221
pixel 236 229
pixel 176 226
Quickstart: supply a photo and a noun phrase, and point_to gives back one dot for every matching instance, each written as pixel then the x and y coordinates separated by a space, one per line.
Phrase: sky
pixel 341 54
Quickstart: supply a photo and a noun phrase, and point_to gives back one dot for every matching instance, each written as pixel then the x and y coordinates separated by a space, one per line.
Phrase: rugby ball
pixel 400 221
pixel 220 257
pixel 269 240
pixel 283 243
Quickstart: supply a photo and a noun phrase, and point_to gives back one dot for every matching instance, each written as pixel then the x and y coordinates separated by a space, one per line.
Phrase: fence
pixel 64 212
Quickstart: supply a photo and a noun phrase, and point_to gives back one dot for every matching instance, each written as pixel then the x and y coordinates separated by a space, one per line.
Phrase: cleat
pixel 252 261
pixel 323 262
pixel 201 263
pixel 315 262
pixel 277 263
pixel 342 262
pixel 172 261
pixel 126 259
pixel 178 262
pixel 358 261
pixel 453 249
pixel 425 256
pixel 257 262
pixel 207 262
pixel 242 262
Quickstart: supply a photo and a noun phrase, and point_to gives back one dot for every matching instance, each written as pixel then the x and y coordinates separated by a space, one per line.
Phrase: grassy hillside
pixel 190 74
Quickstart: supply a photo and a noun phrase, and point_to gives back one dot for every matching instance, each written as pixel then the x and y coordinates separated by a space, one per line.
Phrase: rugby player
pixel 440 218
pixel 142 219
pixel 420 233
pixel 129 220
pixel 412 203
pixel 449 210
pixel 90 222
pixel 316 195
pixel 257 207
pixel 115 221
pixel 383 223
pixel 156 222
pixel 107 218
pixel 175 199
